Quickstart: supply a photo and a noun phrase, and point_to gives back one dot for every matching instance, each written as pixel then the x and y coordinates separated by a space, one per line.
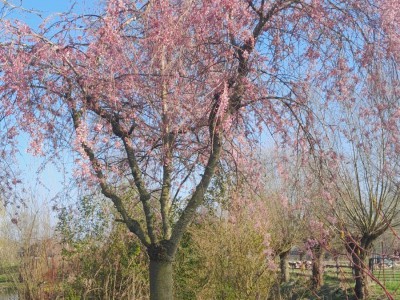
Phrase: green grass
pixel 390 279
pixel 339 286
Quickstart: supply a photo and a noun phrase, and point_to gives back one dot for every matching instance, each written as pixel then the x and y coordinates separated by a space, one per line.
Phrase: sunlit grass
pixel 339 284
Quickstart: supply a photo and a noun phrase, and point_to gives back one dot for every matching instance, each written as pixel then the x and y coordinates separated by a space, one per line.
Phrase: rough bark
pixel 283 262
pixel 361 279
pixel 317 267
pixel 359 256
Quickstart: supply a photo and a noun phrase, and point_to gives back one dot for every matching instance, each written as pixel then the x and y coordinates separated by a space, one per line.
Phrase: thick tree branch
pixel 143 193
pixel 198 195
pixel 120 132
pixel 167 140
pixel 133 225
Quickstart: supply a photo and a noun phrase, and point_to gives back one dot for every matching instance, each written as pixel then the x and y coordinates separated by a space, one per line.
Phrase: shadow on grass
pixel 300 288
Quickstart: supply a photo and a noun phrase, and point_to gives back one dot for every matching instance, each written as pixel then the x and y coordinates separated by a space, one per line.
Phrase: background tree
pixel 283 205
pixel 319 238
pixel 318 221
pixel 284 229
pixel 154 94
pixel 363 174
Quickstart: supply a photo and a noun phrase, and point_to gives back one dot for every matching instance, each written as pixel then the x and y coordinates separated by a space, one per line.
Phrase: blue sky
pixel 46 8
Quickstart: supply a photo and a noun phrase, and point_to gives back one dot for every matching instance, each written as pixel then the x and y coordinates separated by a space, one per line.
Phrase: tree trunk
pixel 361 286
pixel 359 254
pixel 283 257
pixel 161 280
pixel 161 272
pixel 301 256
pixel 317 268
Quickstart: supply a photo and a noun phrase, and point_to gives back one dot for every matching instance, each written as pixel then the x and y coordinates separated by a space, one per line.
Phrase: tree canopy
pixel 155 95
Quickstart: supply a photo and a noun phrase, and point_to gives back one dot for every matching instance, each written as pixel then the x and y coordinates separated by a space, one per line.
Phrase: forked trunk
pixel 161 280
pixel 283 257
pixel 317 268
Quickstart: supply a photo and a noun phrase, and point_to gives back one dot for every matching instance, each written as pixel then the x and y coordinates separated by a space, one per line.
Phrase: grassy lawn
pixel 339 285
pixel 390 279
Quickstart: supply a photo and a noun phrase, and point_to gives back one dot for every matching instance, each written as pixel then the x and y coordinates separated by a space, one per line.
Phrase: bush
pixel 219 259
